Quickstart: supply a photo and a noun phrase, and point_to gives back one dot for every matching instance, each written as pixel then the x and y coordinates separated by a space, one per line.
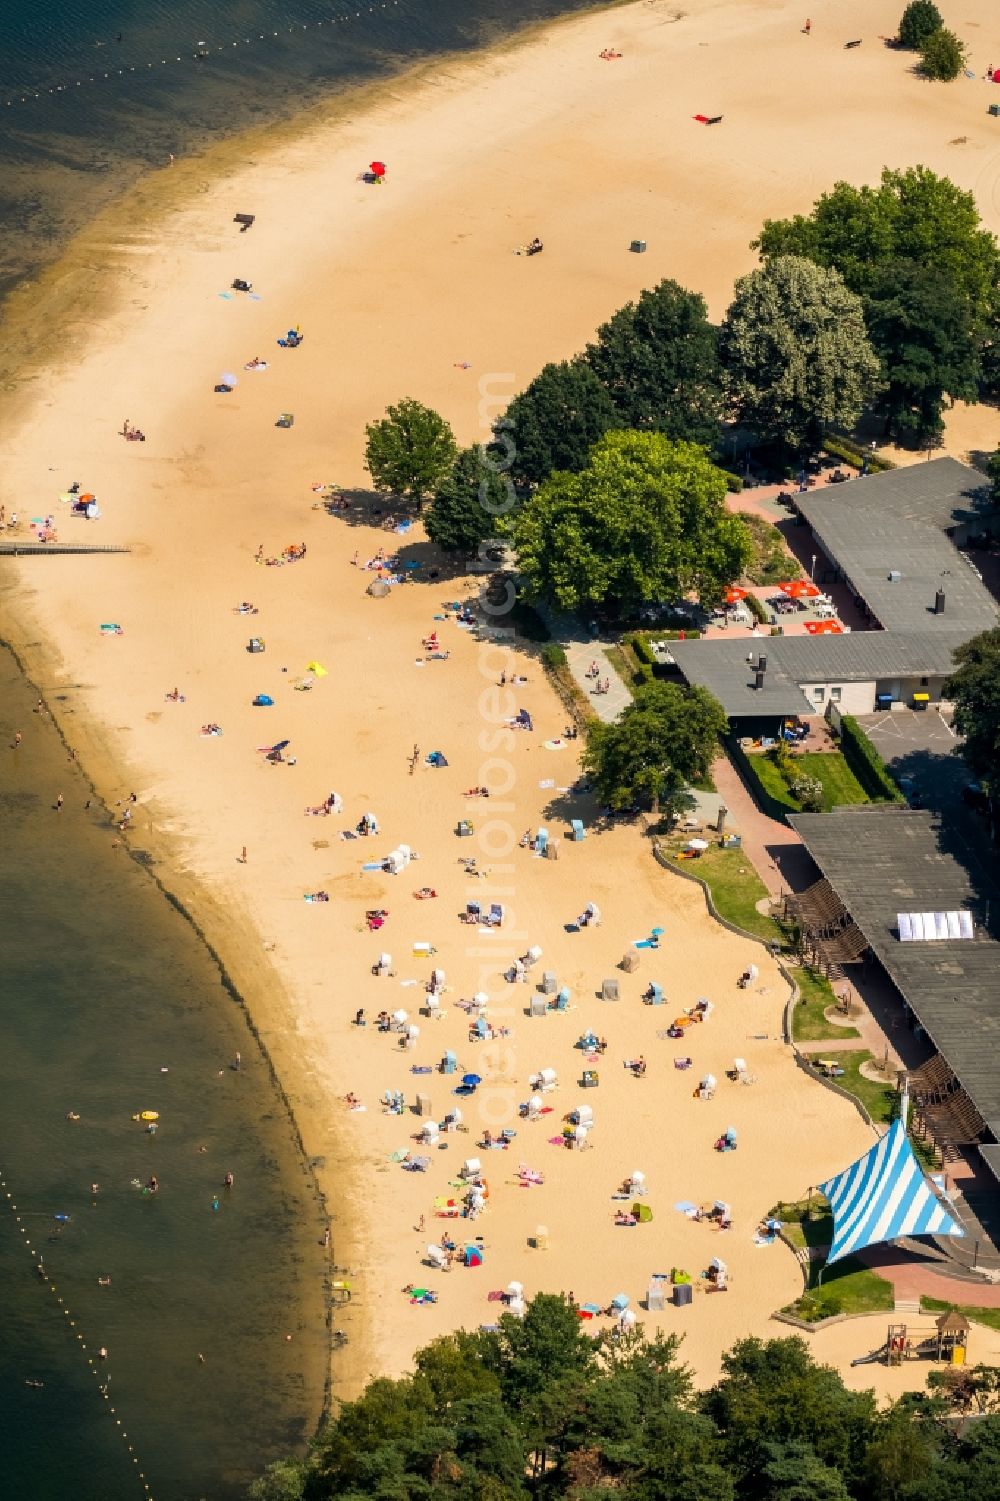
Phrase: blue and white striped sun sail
pixel 883 1196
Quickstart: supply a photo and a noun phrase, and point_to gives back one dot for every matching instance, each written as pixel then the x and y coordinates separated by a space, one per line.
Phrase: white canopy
pixel 399 1016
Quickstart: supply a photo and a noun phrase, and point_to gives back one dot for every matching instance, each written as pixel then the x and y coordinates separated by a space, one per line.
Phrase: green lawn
pixel 772 781
pixel 879 1100
pixel 735 886
pixel 808 1022
pixel 988 1316
pixel 847 1286
pixel 840 785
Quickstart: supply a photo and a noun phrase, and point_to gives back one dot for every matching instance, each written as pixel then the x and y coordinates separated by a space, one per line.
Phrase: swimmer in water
pixel 104 1281
pixel 95 1188
pixel 215 1203
pixel 153 1184
pixel 228 1180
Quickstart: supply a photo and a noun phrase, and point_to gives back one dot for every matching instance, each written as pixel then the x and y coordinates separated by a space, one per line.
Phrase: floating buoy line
pixel 202 53
pixel 94 1365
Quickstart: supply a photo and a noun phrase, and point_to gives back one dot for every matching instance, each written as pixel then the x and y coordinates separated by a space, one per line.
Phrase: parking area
pixel 921 750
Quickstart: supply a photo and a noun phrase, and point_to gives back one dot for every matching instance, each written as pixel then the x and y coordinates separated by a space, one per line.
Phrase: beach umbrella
pixel 378 168
pixel 697 844
pixel 228 379
pixel 733 595
pixel 471 1080
pixel 399 1016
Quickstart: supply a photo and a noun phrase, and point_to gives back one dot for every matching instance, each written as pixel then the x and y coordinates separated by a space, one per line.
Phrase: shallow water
pixel 71 138
pixel 103 986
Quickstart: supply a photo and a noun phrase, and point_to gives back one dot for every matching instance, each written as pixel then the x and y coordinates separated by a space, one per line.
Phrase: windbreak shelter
pixel 883 1197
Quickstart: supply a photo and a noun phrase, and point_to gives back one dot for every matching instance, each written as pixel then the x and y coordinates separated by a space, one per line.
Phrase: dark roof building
pixel 884 861
pixel 891 538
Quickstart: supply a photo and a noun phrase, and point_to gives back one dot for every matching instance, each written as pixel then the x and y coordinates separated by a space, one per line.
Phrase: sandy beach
pixel 411 289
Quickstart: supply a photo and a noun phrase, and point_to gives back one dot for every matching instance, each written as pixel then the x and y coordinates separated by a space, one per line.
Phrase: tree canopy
pixel 471 503
pixel 542 1412
pixel 796 352
pixel 912 215
pixel 920 323
pixel 666 738
pixel 920 19
pixel 658 361
pixel 645 520
pixel 555 421
pixel 974 688
pixel 409 450
pixel 943 55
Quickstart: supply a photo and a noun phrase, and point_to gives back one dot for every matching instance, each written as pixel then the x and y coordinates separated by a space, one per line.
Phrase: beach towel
pixel 702 119
pixel 399 1154
pixel 558 744
pixel 555 1141
pixel 684 1206
pixel 495 1295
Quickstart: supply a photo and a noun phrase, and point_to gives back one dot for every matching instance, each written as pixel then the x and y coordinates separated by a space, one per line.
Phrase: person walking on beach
pixel 17 739
pixel 59 803
pixel 243 855
pixel 227 1182
pixel 807 28
pixel 238 1062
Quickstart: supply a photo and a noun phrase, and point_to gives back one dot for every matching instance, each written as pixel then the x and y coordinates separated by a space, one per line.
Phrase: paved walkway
pixel 580 654
pixel 912 1278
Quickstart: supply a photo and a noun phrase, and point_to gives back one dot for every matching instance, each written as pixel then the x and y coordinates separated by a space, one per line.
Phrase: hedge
pixel 842 448
pixel 866 763
pixel 757 610
pixel 553 655
pixel 734 483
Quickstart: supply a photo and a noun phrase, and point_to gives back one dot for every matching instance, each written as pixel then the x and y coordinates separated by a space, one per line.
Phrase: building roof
pixel 899 522
pixel 883 861
pixel 860 657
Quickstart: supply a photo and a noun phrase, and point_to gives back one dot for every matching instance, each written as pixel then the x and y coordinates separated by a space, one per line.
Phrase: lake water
pixel 69 145
pixel 110 1005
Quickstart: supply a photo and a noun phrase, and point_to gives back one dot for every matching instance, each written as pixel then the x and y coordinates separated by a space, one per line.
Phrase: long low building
pixel 883 862
pixel 803 674
pixel 894 539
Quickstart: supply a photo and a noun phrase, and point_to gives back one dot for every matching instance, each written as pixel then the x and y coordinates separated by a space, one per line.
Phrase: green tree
pixel 920 326
pixel 471 503
pixel 794 1472
pixel 666 738
pixel 920 19
pixel 646 520
pixel 974 688
pixel 282 1481
pixel 943 55
pixel 796 351
pixel 912 215
pixel 410 450
pixel 772 1392
pixel 555 421
pixel 658 360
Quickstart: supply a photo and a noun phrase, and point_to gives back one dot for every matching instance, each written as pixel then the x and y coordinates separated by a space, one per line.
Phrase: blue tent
pixel 884 1196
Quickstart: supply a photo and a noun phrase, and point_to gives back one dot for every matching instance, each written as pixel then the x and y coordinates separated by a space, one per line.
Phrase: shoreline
pixel 157 870
pixel 387 300
pixel 80 273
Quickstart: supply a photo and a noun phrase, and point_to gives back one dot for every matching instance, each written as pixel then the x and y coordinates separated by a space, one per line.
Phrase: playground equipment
pixel 947 1339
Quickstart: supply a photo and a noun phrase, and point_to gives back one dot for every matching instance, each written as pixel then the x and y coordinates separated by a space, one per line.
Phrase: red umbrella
pixel 378 168
pixel 734 594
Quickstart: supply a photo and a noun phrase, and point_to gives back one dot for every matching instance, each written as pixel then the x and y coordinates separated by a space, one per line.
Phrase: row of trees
pixel 886 296
pixel 540 1410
